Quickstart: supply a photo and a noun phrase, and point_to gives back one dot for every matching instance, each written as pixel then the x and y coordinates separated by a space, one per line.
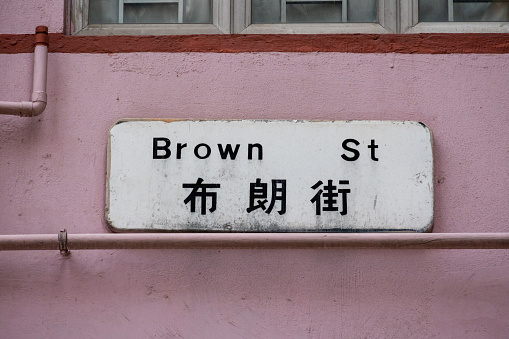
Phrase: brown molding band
pixel 496 43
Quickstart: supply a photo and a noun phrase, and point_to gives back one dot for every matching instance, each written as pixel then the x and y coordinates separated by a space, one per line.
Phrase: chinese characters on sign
pixel 329 197
pixel 200 190
pixel 258 191
pixel 270 176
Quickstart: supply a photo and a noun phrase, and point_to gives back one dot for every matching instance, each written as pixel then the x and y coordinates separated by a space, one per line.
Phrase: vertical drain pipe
pixel 39 97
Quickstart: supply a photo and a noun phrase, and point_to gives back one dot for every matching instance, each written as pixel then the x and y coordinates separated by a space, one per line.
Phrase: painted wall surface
pixel 53 173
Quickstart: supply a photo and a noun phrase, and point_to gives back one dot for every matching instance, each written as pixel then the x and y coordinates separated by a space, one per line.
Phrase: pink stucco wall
pixel 53 176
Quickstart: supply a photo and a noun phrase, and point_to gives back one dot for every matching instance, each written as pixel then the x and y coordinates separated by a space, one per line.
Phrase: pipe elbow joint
pixel 29 108
pixel 39 101
pixel 39 97
pixel 38 107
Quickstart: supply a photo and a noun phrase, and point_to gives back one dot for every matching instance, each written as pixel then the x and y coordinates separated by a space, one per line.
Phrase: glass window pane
pixel 301 11
pixel 266 11
pixel 103 11
pixel 198 11
pixel 313 12
pixel 362 11
pixel 147 12
pixel 463 10
pixel 150 13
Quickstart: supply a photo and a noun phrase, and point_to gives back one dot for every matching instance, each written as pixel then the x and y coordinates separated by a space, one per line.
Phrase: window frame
pixel 234 17
pixel 386 10
pixel 410 23
pixel 80 25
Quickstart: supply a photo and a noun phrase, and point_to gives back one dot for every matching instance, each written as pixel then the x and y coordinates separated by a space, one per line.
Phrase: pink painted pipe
pixel 39 97
pixel 64 242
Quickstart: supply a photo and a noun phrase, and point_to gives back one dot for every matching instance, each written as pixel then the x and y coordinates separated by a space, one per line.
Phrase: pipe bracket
pixel 41 35
pixel 62 242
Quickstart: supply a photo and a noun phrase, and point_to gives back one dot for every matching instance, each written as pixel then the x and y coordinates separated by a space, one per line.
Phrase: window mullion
pixel 388 15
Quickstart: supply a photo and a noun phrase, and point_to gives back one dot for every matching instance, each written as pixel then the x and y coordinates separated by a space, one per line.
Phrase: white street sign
pixel 270 176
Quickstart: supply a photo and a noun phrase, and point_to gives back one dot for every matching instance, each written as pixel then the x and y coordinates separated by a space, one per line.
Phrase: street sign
pixel 270 176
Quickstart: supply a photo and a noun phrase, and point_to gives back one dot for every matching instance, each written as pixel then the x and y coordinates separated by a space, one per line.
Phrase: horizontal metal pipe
pixel 29 242
pixel 258 240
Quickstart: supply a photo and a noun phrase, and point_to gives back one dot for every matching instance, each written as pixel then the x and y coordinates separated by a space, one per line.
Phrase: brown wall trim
pixel 344 43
